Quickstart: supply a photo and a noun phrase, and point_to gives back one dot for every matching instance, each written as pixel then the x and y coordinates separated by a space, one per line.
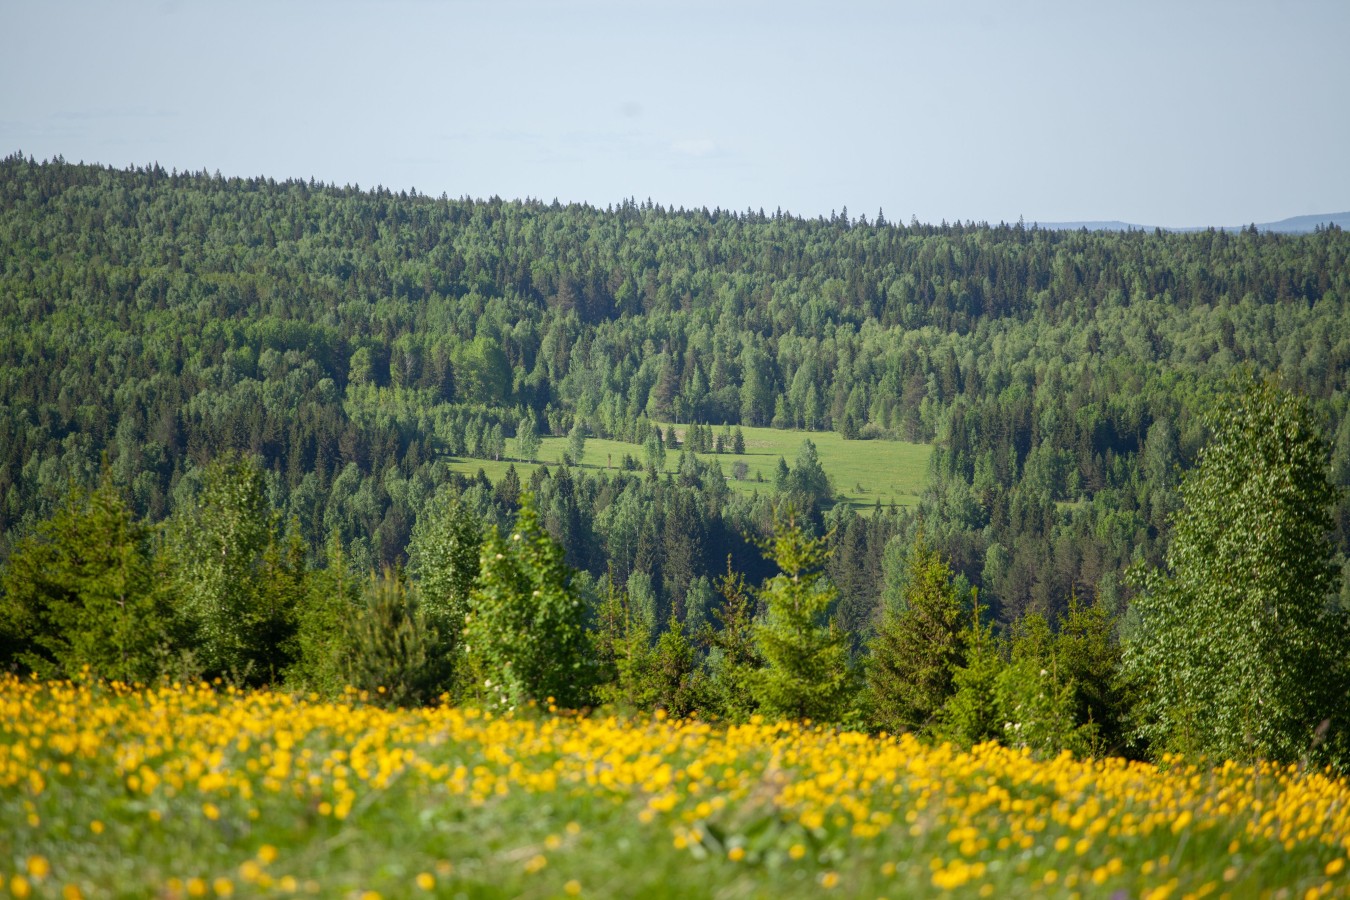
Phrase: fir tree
pixel 806 673
pixel 82 592
pixel 919 647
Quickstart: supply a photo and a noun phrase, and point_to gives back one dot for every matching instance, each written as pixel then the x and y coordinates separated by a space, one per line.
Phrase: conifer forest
pixel 496 454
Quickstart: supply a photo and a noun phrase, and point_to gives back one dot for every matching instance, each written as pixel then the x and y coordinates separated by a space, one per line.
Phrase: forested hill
pixel 350 338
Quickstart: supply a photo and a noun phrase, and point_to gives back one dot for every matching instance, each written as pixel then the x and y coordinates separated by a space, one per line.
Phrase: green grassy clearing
pixel 862 471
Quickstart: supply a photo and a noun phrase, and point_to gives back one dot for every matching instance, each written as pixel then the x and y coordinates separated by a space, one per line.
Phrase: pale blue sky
pixel 1156 113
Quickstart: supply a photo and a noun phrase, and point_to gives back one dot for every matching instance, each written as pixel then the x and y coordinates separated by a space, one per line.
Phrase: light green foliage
pixel 1240 652
pixel 1037 689
pixel 806 673
pixel 323 634
pixel 919 645
pixel 83 591
pixel 576 441
pixel 887 471
pixel 654 451
pixel 525 638
pixel 482 372
pixel 443 563
pixel 238 575
pixel 392 646
pixel 527 439
pixel 1036 697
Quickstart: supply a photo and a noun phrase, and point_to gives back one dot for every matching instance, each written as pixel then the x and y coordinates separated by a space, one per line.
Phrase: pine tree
pixel 622 641
pixel 972 714
pixel 806 673
pixel 331 601
pixel 1036 696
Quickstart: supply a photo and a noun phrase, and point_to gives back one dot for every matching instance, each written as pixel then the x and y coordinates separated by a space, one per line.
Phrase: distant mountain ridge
pixel 1294 225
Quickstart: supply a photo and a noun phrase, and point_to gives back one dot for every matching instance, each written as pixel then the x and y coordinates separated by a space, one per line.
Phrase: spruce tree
pixel 392 646
pixel 806 673
pixel 82 591
pixel 919 647
pixel 733 655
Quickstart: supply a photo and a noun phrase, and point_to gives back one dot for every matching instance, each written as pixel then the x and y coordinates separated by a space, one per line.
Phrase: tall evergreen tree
pixel 82 592
pixel 806 673
pixel 918 648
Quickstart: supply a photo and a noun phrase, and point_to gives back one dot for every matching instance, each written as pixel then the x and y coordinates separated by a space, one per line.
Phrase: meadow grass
pixel 862 471
pixel 182 792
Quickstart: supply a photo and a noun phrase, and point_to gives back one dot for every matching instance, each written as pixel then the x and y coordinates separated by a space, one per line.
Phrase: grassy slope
pixel 863 471
pixel 189 792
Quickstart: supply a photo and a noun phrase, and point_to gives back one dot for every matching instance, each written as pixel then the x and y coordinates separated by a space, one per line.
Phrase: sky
pixel 1157 113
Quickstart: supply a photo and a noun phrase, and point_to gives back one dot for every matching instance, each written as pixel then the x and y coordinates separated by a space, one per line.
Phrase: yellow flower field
pixel 194 792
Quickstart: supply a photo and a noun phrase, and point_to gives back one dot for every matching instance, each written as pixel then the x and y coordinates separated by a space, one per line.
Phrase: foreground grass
pixel 862 471
pixel 192 792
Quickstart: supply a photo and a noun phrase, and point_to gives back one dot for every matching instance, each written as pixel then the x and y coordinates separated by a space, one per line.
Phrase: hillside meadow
pixel 195 791
pixel 863 471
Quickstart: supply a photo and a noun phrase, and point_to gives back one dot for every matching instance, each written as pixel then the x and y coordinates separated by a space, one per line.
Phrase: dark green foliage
pixel 350 338
pixel 83 592
pixel 1089 655
pixel 622 642
pixel 676 683
pixel 392 654
pixel 525 638
pixel 805 485
pixel 972 714
pixel 919 645
pixel 806 672
pixel 1241 651
pixel 636 675
pixel 347 341
pixel 733 653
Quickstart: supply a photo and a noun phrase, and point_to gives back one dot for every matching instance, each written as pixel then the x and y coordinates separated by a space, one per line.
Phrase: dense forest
pixel 183 340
